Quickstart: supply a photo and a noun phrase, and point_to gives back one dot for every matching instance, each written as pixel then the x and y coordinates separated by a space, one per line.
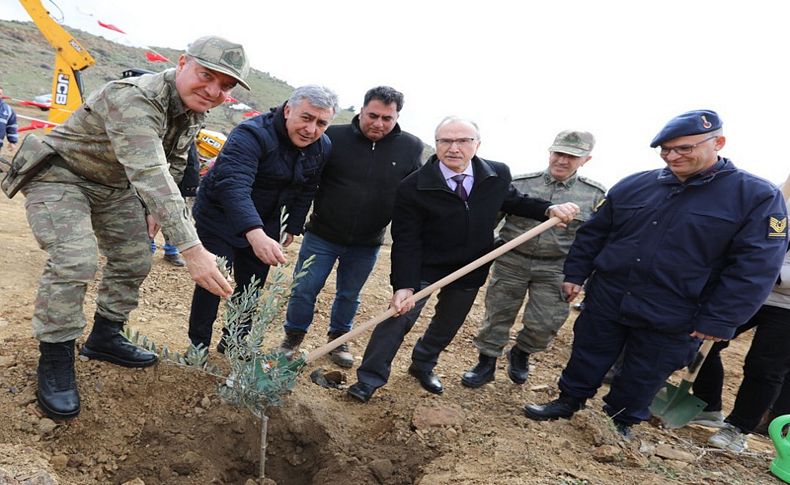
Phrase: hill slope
pixel 26 64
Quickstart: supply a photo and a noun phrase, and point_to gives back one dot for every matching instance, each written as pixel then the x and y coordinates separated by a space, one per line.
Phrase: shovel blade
pixel 675 406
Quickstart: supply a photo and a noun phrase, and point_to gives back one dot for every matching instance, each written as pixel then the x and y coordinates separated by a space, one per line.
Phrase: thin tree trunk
pixel 264 431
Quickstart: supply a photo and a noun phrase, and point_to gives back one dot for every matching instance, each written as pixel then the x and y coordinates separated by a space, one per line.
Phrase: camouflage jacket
pixel 555 242
pixel 136 132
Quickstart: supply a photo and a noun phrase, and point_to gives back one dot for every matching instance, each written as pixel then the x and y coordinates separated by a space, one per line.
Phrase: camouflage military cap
pixel 221 55
pixel 576 143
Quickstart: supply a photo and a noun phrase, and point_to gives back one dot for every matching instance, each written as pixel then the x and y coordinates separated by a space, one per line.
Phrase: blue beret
pixel 691 123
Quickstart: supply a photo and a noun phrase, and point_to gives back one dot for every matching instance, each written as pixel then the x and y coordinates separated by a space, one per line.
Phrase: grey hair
pixel 454 119
pixel 318 96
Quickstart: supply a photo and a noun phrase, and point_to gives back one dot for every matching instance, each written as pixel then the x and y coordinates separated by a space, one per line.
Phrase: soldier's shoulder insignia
pixel 524 176
pixel 777 226
pixel 593 183
pixel 599 205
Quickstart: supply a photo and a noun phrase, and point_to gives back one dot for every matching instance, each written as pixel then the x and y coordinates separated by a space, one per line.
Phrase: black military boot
pixel 291 343
pixel 57 390
pixel 518 369
pixel 106 343
pixel 341 355
pixel 481 373
pixel 562 407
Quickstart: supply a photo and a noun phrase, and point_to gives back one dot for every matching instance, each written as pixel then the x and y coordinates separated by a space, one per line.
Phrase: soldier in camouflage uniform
pixel 535 266
pixel 109 181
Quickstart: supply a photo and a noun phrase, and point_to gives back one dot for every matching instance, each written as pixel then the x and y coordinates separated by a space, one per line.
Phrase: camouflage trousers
pixel 512 277
pixel 68 216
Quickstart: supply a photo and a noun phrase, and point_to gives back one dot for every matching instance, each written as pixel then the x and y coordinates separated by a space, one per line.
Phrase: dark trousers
pixel 764 371
pixel 710 379
pixel 451 309
pixel 205 304
pixel 649 357
pixel 781 405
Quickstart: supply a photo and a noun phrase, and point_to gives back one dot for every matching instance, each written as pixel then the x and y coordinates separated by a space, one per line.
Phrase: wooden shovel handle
pixel 425 292
pixel 696 364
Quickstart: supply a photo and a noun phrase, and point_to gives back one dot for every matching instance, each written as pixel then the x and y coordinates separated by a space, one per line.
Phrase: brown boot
pixel 340 355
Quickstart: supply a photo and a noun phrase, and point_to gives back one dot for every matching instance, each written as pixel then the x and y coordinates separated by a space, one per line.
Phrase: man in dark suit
pixel 444 218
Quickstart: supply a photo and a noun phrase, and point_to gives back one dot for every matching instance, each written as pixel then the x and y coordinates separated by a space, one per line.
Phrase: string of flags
pixel 154 56
pixel 151 55
pixel 35 123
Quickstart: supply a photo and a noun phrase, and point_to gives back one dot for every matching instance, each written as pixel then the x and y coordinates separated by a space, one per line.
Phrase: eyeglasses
pixel 682 149
pixel 462 142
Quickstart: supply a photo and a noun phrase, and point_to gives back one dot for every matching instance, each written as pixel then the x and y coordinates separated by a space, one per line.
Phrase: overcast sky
pixel 523 70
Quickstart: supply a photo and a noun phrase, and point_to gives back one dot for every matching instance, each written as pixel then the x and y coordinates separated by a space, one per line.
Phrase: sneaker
pixel 175 260
pixel 729 438
pixel 711 419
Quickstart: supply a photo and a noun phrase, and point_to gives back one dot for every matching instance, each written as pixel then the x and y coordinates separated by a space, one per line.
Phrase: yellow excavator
pixel 67 90
pixel 70 60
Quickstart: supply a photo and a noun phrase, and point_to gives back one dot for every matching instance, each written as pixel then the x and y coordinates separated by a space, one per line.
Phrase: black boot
pixel 518 369
pixel 291 343
pixel 106 343
pixel 562 407
pixel 57 385
pixel 481 373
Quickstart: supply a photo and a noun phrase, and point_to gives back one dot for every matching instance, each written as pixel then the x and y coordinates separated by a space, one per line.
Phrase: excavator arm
pixel 70 59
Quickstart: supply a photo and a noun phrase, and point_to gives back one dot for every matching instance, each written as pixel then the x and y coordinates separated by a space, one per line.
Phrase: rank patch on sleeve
pixel 599 205
pixel 777 227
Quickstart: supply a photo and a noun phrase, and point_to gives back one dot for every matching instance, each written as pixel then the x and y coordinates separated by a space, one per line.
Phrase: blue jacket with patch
pixel 258 172
pixel 8 126
pixel 701 255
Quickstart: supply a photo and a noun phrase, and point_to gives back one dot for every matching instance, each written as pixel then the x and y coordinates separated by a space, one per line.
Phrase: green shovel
pixel 673 404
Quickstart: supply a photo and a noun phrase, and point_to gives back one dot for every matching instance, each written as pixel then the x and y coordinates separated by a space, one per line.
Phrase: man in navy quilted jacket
pixel 676 255
pixel 270 162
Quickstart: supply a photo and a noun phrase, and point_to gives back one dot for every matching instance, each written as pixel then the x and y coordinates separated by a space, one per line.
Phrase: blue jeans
pixel 169 248
pixel 354 266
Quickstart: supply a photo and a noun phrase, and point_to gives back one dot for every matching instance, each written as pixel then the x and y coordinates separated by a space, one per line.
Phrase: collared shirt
pixel 448 175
